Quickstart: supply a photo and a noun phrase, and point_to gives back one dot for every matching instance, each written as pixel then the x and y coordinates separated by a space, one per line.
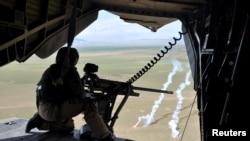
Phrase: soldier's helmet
pixel 72 58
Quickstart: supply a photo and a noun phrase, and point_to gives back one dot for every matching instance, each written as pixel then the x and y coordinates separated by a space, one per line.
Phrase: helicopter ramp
pixel 13 129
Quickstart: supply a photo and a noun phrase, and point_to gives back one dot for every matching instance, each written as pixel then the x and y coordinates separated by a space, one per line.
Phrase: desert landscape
pixel 151 116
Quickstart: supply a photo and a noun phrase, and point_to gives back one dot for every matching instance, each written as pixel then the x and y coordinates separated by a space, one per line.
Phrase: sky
pixel 110 28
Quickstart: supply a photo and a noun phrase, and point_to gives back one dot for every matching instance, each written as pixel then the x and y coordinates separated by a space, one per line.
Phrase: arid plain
pixel 18 83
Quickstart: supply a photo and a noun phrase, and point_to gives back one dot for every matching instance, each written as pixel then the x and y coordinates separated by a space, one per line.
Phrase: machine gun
pixel 93 83
pixel 104 84
pixel 96 87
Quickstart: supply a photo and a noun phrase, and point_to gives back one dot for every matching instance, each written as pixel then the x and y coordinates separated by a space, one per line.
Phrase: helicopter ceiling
pixel 40 27
pixel 151 14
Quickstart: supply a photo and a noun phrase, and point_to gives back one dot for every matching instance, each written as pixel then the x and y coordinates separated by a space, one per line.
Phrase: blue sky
pixel 110 28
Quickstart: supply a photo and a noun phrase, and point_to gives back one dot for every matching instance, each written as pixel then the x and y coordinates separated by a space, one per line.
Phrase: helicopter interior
pixel 215 35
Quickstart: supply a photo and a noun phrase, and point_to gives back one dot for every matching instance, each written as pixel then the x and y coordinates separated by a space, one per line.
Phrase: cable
pixel 155 59
pixel 189 115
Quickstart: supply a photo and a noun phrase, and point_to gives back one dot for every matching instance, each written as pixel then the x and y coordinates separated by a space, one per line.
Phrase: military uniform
pixel 60 97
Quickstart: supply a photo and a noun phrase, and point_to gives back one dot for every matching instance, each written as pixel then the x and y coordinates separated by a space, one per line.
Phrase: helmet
pixel 73 56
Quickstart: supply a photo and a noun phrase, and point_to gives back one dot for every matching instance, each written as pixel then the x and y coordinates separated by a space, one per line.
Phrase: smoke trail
pixel 175 119
pixel 149 118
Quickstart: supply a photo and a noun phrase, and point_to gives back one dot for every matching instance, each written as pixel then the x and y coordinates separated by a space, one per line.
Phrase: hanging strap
pixel 65 64
pixel 71 35
pixel 72 25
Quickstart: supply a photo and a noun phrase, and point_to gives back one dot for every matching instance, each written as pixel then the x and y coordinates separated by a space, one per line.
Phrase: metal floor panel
pixel 13 129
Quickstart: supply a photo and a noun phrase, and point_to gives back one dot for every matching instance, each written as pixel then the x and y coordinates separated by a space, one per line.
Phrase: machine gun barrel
pixel 152 90
pixel 109 82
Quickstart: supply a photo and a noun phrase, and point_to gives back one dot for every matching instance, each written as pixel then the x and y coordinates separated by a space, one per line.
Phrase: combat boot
pixel 34 122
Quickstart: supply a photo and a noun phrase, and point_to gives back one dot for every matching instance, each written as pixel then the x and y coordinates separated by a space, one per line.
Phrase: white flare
pixel 175 117
pixel 149 118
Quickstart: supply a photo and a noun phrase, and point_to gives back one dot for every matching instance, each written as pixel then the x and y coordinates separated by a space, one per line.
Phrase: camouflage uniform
pixel 59 99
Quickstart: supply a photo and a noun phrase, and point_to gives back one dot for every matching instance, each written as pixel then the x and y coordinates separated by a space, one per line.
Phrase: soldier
pixel 60 97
